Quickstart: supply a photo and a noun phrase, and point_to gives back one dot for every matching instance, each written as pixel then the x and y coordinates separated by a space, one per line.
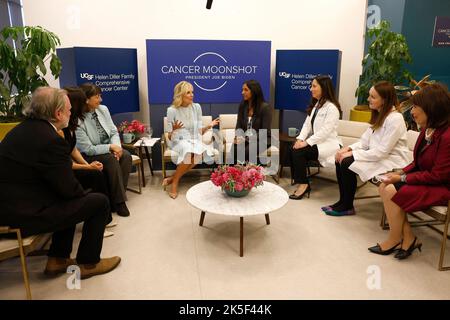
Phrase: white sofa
pixel 227 132
pixel 350 132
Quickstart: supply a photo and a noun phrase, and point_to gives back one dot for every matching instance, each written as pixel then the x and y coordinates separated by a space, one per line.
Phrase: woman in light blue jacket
pixel 98 140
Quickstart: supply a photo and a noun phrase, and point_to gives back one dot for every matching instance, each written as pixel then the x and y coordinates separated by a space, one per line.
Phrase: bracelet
pixel 403 178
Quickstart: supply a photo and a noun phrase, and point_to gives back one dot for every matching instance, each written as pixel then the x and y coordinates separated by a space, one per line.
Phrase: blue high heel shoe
pixel 335 213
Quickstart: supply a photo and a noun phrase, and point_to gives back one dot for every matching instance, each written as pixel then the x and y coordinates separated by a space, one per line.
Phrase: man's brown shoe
pixel 103 266
pixel 58 265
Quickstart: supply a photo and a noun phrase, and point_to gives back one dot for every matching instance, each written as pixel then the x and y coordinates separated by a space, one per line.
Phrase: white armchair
pixel 167 154
pixel 228 131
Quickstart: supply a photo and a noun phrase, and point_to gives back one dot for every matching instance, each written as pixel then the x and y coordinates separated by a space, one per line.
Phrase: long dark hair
pixel 386 91
pixel 79 106
pixel 328 94
pixel 434 100
pixel 257 97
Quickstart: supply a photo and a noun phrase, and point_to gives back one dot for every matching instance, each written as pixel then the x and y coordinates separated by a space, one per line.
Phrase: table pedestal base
pixel 241 224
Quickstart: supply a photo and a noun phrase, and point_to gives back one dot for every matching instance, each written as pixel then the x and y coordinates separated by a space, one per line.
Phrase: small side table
pixel 286 143
pixel 141 146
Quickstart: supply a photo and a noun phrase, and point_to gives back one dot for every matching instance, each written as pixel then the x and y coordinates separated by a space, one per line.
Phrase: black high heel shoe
pixel 403 254
pixel 377 249
pixel 298 197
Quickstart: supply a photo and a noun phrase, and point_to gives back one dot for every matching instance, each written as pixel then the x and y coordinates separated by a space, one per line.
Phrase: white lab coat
pixel 381 150
pixel 325 133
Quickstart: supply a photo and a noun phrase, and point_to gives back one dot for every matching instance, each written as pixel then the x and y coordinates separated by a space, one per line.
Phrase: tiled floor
pixel 302 254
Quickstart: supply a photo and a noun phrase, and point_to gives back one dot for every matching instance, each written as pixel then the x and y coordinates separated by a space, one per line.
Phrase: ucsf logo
pixel 284 74
pixel 86 76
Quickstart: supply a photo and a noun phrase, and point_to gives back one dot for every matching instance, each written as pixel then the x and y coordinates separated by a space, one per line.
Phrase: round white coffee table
pixel 208 198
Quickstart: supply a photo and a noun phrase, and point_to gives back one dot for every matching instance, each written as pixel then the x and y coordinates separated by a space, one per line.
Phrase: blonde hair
pixel 180 89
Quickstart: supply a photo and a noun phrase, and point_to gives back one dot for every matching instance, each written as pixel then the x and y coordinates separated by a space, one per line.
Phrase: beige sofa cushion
pixel 351 131
pixel 227 130
pixel 227 121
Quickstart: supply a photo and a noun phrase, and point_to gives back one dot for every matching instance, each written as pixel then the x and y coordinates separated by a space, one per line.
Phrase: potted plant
pixel 385 60
pixel 238 180
pixel 22 67
pixel 130 130
pixel 404 94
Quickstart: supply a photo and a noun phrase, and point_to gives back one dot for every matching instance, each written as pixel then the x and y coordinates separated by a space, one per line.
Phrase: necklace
pixel 428 134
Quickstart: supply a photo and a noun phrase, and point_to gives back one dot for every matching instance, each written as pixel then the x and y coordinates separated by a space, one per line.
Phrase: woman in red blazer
pixel 426 181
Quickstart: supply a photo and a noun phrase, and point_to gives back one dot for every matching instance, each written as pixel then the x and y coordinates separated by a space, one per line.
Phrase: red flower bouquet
pixel 131 127
pixel 238 178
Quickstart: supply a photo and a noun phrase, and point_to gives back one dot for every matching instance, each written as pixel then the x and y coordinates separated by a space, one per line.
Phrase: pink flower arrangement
pixel 131 127
pixel 238 178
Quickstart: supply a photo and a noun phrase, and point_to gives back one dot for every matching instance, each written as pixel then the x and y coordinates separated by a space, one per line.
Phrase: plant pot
pixel 362 107
pixel 360 113
pixel 6 127
pixel 237 194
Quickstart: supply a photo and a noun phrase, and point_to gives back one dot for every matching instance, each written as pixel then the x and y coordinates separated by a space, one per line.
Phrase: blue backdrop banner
pixel 295 70
pixel 114 70
pixel 441 34
pixel 216 69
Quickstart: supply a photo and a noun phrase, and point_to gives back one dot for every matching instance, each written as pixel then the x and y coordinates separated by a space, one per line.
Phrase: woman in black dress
pixel 253 125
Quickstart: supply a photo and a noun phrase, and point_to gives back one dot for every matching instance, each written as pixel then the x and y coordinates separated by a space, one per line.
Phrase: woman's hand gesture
pixel 177 125
pixel 214 123
pixel 299 144
pixel 343 153
pixel 392 177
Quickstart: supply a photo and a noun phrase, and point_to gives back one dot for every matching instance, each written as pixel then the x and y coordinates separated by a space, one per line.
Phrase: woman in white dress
pixel 184 126
pixel 381 148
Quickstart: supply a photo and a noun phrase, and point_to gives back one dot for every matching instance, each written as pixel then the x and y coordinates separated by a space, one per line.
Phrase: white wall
pixel 289 24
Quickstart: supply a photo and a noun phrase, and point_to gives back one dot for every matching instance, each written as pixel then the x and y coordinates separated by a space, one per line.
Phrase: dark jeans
pixel 117 173
pixel 347 184
pixel 94 213
pixel 299 159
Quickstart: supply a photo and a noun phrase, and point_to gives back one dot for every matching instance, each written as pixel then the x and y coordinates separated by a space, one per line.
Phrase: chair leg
pixel 163 164
pixel 383 224
pixel 141 155
pixel 276 178
pixel 444 240
pixel 140 174
pixel 147 154
pixel 24 265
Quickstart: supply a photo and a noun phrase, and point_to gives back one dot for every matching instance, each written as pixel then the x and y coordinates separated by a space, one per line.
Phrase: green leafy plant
pixel 22 68
pixel 385 60
pixel 404 94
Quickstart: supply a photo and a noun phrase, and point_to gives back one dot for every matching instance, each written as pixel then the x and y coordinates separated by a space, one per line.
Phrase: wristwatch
pixel 403 178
